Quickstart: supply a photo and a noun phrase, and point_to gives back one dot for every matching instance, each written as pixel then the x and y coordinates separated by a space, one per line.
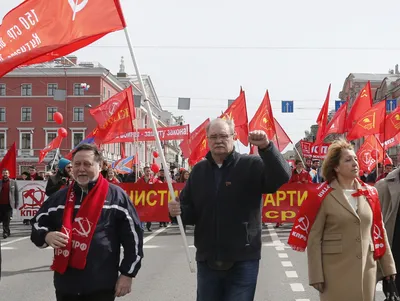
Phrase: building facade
pixel 29 97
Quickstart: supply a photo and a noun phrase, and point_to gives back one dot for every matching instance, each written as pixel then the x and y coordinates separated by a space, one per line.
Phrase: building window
pixel 2 140
pixel 50 136
pixel 78 114
pixel 78 89
pixel 76 139
pixel 50 114
pixel 109 94
pixel 104 93
pixel 26 141
pixel 2 114
pixel 51 88
pixel 2 89
pixel 26 114
pixel 26 89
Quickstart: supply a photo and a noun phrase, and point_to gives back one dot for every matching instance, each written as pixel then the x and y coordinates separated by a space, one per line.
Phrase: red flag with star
pixel 237 111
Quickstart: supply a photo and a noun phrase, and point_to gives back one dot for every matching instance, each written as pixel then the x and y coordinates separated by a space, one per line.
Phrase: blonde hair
pixel 333 157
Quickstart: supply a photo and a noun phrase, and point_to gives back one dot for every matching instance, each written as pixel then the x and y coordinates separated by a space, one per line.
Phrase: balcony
pixel 25 153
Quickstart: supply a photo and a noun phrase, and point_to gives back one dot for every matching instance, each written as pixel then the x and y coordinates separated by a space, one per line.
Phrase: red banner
pixel 314 151
pixel 38 31
pixel 179 132
pixel 151 201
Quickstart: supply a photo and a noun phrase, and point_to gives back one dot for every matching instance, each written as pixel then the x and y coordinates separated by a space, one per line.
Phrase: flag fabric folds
pixel 10 161
pixel 39 31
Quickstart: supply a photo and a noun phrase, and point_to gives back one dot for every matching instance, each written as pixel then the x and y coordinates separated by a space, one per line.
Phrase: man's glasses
pixel 221 137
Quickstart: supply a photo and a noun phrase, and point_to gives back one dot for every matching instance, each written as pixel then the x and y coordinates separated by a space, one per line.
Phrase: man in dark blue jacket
pixel 222 198
pixel 86 224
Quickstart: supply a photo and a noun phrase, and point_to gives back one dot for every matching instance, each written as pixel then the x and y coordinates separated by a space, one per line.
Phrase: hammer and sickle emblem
pixel 364 93
pixel 304 224
pixel 66 230
pixel 84 225
pixel 377 233
pixel 77 7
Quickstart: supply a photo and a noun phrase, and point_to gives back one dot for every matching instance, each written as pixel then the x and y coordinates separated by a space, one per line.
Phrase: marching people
pixel 148 179
pixel 341 227
pixel 87 223
pixel 388 170
pixel 9 200
pixel 222 198
pixel 389 195
pixel 62 178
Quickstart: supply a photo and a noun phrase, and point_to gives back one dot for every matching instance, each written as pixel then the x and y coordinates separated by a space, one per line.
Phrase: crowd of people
pixel 349 229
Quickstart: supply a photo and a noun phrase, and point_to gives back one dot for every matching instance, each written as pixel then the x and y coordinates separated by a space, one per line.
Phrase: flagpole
pixel 54 160
pixel 295 148
pixel 158 144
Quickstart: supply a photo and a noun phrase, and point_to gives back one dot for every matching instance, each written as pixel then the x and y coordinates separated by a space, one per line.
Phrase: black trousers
pixel 98 296
pixel 5 218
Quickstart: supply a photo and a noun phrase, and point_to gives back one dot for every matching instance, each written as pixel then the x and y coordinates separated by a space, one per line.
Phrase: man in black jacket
pixel 61 179
pixel 222 198
pixel 87 247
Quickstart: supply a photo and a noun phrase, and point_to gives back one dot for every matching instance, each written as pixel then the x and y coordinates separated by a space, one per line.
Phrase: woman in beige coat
pixel 340 244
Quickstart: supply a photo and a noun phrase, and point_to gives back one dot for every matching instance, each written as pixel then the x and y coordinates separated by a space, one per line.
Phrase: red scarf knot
pixel 80 231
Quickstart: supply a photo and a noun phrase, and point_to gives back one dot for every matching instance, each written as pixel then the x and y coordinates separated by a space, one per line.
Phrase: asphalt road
pixel 165 273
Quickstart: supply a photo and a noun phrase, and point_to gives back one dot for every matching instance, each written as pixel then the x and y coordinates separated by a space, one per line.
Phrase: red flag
pixel 337 124
pixel 322 119
pixel 281 139
pixel 263 119
pixel 369 123
pixel 190 144
pixel 392 124
pixel 52 145
pixel 237 111
pixel 10 161
pixel 199 147
pixel 362 104
pixel 38 31
pixel 120 121
pixel 104 111
pixel 364 154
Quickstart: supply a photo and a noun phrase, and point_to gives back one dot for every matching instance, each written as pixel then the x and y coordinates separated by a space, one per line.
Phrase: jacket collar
pixel 338 194
pixel 228 160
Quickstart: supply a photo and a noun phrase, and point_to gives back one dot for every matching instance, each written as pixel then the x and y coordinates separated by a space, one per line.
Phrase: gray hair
pixel 229 122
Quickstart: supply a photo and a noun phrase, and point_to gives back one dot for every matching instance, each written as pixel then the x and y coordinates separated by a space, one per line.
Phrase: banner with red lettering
pixel 180 132
pixel 314 151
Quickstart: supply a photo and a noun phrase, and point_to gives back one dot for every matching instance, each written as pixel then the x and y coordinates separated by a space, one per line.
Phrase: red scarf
pixel 309 209
pixel 377 231
pixel 81 230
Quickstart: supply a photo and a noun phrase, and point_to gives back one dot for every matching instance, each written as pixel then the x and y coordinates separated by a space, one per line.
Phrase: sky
pixel 206 50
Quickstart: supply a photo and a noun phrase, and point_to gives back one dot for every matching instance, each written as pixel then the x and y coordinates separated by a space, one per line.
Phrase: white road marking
pixel 297 287
pixel 280 248
pixel 7 248
pixel 15 240
pixel 283 255
pixel 379 287
pixel 291 274
pixel 302 299
pixel 287 264
pixel 154 234
pixel 274 235
pixel 151 247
